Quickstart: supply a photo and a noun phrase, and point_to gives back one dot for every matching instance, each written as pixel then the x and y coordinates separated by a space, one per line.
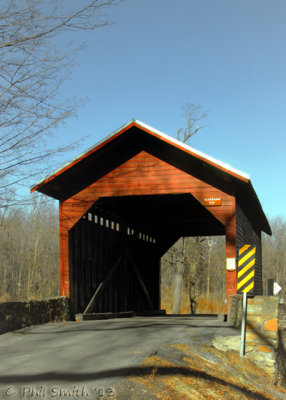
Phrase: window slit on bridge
pixel 113 225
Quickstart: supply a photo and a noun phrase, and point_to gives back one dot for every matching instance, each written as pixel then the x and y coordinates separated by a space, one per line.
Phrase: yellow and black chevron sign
pixel 246 269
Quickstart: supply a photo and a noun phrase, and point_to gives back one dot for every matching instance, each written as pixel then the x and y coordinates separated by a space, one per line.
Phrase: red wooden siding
pixel 145 174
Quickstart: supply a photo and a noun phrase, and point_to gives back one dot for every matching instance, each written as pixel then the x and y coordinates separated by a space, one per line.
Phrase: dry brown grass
pixel 205 304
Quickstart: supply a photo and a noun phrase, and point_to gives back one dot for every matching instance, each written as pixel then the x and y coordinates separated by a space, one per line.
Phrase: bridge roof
pixel 128 140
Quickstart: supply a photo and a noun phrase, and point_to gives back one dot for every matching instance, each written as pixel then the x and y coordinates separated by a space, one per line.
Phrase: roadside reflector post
pixel 270 285
pixel 245 284
pixel 243 324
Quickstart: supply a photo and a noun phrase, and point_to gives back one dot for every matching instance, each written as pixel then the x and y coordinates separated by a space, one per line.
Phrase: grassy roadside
pixel 197 371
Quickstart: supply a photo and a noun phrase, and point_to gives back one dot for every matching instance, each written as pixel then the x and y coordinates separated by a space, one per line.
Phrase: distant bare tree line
pixel 29 252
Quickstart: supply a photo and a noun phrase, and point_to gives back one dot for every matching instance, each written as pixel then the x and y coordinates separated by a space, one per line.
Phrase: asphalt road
pixel 86 359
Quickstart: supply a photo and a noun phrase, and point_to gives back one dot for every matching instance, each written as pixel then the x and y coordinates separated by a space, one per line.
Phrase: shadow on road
pixel 123 372
pixel 120 325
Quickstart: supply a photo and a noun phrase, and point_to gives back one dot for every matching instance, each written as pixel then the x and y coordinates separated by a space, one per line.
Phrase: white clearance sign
pixel 211 201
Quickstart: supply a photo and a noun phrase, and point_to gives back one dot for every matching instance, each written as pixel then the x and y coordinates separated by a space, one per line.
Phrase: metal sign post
pixel 243 324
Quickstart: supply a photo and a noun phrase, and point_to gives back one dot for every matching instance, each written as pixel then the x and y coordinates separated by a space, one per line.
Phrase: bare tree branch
pixel 193 114
pixel 32 70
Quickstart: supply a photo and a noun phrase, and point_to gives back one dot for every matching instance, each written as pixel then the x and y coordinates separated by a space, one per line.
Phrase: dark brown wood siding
pixel 246 234
pixel 96 243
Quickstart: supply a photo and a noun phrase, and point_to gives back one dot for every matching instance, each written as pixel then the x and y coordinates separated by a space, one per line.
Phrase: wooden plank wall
pixel 247 235
pixel 95 244
pixel 145 174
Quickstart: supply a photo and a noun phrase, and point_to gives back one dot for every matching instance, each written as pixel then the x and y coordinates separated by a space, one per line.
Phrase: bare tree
pixel 179 273
pixel 33 67
pixel 274 255
pixel 193 115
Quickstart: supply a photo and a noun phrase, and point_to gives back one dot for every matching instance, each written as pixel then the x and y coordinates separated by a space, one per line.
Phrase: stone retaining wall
pixel 262 331
pixel 265 332
pixel 18 314
pixel 281 348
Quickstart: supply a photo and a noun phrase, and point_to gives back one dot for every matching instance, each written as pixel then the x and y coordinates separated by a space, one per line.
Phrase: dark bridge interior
pixel 119 243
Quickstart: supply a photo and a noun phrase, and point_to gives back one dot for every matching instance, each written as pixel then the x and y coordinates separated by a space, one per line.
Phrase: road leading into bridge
pixel 86 359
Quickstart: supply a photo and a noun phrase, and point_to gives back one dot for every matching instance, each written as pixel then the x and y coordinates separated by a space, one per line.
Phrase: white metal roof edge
pixel 189 148
pixel 157 132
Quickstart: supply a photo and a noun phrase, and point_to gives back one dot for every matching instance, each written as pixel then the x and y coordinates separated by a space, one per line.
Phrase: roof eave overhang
pixel 265 226
pixel 154 132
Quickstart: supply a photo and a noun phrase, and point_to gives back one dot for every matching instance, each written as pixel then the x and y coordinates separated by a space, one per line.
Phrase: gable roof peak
pixel 185 146
pixel 154 132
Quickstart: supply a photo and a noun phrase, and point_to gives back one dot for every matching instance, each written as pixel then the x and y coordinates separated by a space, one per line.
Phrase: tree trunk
pixel 178 286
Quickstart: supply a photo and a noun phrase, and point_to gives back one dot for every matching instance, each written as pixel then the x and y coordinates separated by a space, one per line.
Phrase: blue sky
pixel 227 56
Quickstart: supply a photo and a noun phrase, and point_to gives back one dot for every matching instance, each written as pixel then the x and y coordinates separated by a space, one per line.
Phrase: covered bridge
pixel 125 201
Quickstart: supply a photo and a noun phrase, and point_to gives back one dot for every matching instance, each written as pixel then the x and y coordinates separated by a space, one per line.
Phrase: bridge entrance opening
pixel 128 235
pixel 193 278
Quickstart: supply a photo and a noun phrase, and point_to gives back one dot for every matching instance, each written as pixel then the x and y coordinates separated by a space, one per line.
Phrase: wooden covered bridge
pixel 125 201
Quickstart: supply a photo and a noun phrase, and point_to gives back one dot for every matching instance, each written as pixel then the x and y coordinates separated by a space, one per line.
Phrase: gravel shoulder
pixel 195 367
